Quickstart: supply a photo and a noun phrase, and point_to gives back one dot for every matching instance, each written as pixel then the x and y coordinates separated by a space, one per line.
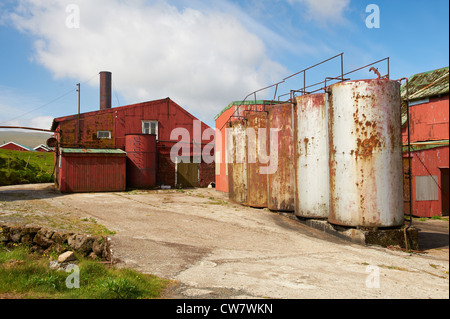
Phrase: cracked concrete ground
pixel 212 248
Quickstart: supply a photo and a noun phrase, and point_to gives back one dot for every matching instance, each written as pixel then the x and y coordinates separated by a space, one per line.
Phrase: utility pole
pixel 79 131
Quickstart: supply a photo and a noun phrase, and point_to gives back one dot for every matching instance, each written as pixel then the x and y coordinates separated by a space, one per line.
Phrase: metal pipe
pixel 27 128
pixel 78 118
pixel 340 54
pixel 409 161
pixel 169 141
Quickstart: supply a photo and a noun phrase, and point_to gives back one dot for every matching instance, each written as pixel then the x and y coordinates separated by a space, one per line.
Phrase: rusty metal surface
pixel 141 160
pixel 365 157
pixel 430 162
pixel 427 84
pixel 257 151
pixel 236 161
pixel 128 120
pixel 280 196
pixel 91 172
pixel 105 90
pixel 311 156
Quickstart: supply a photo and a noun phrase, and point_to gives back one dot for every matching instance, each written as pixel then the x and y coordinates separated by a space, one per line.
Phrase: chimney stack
pixel 105 90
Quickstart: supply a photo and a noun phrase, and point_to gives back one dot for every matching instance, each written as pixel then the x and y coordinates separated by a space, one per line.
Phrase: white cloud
pixel 325 11
pixel 44 122
pixel 201 58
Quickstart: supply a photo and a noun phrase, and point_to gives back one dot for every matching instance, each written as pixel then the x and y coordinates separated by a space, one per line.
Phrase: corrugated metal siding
pixel 427 84
pixel 425 163
pixel 92 173
pixel 128 120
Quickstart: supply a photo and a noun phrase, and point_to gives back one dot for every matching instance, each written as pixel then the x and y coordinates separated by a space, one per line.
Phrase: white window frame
pixel 99 133
pixel 149 130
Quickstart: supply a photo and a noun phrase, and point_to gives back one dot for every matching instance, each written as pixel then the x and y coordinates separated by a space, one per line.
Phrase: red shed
pixel 91 170
pixel 13 146
pixel 429 140
pixel 42 148
pixel 174 128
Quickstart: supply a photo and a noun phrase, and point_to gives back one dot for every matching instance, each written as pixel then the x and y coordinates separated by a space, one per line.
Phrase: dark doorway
pixel 187 174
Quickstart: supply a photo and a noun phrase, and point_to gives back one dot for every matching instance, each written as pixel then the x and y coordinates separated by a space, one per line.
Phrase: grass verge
pixel 29 276
pixel 25 167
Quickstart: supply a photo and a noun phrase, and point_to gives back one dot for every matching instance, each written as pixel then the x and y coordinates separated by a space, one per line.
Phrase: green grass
pixel 29 276
pixel 25 167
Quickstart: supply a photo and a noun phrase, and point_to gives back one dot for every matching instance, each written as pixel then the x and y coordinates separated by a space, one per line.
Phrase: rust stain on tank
pixel 256 149
pixel 237 172
pixel 366 146
pixel 306 140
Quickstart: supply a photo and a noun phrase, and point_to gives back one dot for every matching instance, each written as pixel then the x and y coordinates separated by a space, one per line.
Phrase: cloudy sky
pixel 201 54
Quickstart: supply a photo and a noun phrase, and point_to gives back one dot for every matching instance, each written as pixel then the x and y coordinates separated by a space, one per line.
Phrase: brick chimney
pixel 105 90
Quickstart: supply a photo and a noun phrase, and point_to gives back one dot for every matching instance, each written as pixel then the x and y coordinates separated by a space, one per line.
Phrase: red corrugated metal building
pixel 108 127
pixel 42 148
pixel 429 141
pixel 91 170
pixel 13 146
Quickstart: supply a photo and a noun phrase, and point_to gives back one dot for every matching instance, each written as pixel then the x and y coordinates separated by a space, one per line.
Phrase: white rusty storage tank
pixel 311 156
pixel 237 161
pixel 364 124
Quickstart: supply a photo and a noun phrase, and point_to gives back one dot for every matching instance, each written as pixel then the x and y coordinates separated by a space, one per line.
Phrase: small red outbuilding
pixel 13 146
pixel 91 170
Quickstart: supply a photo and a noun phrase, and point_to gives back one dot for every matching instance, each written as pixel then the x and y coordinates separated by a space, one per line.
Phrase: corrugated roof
pixel 425 85
pixel 91 151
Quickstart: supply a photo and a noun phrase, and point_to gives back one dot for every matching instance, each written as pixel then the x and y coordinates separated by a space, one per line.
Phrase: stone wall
pixel 42 240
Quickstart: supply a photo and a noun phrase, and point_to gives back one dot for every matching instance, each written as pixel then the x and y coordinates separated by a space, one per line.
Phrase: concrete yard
pixel 212 248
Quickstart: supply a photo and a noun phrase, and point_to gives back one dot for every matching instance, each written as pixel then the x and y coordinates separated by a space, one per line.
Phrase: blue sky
pixel 202 54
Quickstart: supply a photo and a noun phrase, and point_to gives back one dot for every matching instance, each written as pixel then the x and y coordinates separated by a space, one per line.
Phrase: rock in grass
pixel 66 257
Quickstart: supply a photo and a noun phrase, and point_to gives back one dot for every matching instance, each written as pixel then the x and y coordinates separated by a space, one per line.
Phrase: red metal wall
pixel 425 163
pixel 429 122
pixel 14 147
pixel 92 173
pixel 221 166
pixel 128 120
pixel 141 160
pixel 41 149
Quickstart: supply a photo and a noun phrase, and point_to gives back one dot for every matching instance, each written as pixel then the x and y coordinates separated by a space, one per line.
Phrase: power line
pixel 40 107
pixel 48 103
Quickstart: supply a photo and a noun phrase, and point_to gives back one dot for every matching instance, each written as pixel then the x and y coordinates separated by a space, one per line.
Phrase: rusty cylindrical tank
pixel 236 161
pixel 257 159
pixel 141 160
pixel 280 196
pixel 365 154
pixel 311 156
